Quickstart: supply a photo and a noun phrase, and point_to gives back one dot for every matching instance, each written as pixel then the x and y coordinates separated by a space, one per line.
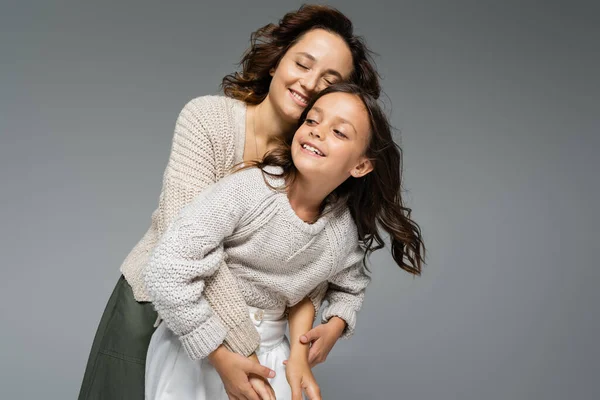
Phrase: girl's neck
pixel 306 198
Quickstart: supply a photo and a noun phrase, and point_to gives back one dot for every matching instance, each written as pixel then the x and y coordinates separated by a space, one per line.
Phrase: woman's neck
pixel 267 125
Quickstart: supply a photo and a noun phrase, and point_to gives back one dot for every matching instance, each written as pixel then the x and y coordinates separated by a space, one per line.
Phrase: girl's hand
pixel 236 371
pixel 322 338
pixel 300 378
pixel 260 384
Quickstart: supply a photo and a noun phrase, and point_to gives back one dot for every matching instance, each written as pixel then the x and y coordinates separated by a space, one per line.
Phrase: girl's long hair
pixel 374 200
pixel 270 43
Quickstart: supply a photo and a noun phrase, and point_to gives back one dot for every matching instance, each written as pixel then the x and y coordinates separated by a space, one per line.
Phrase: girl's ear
pixel 272 72
pixel 363 168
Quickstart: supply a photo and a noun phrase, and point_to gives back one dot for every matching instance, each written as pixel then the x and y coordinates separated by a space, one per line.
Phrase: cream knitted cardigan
pixel 209 139
pixel 277 258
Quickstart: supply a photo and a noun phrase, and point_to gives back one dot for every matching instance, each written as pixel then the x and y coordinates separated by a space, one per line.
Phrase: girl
pixel 286 64
pixel 301 224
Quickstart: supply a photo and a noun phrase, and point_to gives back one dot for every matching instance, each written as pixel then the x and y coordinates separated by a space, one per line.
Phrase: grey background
pixel 498 106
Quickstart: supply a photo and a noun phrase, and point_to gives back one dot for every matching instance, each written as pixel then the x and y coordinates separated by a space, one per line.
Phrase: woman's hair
pixel 270 43
pixel 374 199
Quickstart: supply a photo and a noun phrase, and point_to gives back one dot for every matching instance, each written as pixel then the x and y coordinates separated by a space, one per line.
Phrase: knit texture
pixel 209 140
pixel 275 258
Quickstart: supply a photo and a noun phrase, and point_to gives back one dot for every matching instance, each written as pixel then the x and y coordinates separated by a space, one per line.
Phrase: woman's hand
pixel 322 338
pixel 240 375
pixel 300 378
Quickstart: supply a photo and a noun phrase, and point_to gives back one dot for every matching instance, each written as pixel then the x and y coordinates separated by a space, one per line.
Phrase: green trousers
pixel 117 361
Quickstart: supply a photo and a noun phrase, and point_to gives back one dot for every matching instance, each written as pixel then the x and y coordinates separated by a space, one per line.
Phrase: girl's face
pixel 330 145
pixel 317 60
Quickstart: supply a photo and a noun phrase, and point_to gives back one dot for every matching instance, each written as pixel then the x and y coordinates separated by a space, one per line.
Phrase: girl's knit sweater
pixel 276 259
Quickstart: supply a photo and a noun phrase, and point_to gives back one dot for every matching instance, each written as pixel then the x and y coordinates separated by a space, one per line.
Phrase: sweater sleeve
pixel 346 292
pixel 188 253
pixel 196 161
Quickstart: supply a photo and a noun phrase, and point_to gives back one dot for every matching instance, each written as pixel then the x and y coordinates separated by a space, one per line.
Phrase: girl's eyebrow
pixel 342 120
pixel 328 71
pixel 317 110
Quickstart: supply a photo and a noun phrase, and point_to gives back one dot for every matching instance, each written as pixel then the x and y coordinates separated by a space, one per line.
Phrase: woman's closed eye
pixel 302 66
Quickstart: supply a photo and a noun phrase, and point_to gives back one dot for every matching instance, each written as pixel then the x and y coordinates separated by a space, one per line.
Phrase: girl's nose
pixel 316 133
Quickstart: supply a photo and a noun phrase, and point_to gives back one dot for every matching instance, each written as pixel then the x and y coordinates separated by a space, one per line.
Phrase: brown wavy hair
pixel 270 43
pixel 374 200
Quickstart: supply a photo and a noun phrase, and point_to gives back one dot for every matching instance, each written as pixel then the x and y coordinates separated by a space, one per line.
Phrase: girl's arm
pixel 301 318
pixel 346 292
pixel 298 373
pixel 191 251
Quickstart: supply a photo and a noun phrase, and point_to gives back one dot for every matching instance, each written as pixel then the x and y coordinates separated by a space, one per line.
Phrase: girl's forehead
pixel 343 106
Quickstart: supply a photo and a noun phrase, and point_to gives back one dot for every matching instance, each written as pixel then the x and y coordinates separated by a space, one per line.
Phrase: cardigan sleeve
pixel 196 162
pixel 190 252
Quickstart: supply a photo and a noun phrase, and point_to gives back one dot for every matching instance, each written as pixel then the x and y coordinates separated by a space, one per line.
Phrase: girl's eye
pixel 310 121
pixel 301 66
pixel 340 134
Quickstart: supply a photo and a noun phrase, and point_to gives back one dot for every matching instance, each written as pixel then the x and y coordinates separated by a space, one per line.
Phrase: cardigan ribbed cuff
pixel 343 311
pixel 243 338
pixel 205 339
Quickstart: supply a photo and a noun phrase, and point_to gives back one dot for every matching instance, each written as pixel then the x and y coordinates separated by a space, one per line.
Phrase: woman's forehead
pixel 326 49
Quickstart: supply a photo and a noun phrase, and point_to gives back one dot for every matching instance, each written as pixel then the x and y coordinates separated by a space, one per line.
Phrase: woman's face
pixel 319 59
pixel 330 145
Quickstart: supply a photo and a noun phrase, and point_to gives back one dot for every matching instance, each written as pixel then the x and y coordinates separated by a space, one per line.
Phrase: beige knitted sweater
pixel 209 139
pixel 276 258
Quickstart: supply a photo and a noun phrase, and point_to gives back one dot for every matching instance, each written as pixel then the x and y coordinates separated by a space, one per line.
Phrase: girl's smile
pixel 311 149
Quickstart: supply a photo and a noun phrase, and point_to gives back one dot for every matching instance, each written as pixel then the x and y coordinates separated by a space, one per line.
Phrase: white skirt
pixel 171 374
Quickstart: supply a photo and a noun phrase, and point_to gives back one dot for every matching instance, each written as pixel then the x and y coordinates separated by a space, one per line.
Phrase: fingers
pixel 251 367
pixel 261 388
pixel 274 397
pixel 260 370
pixel 248 393
pixel 311 335
pixel 285 362
pixel 296 391
pixel 313 392
pixel 270 391
pixel 315 354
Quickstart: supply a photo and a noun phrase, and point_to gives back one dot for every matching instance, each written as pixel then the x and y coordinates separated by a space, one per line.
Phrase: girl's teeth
pixel 317 152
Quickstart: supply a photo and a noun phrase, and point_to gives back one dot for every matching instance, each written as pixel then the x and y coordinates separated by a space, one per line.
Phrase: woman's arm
pixel 197 161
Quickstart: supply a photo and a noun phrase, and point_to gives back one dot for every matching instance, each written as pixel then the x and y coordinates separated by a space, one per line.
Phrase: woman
pixel 286 64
